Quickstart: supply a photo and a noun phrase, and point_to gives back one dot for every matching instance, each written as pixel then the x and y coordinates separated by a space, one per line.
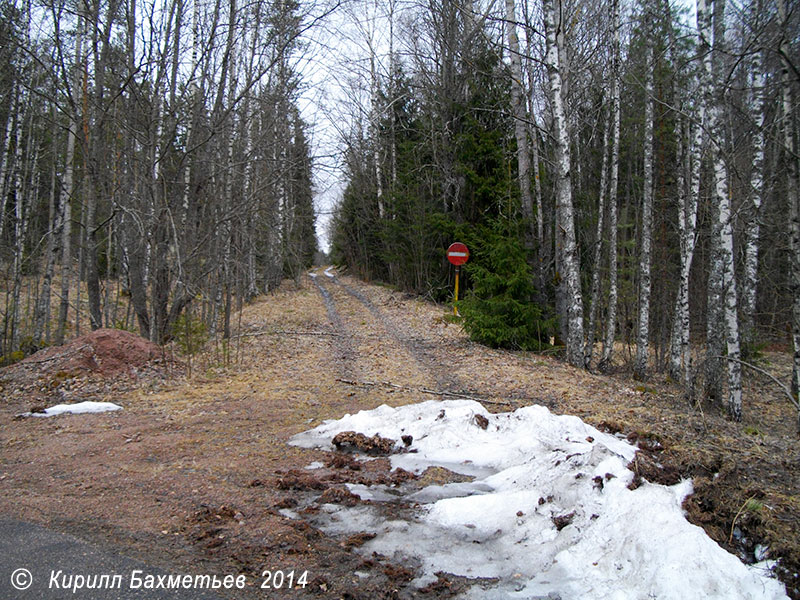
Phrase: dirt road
pixel 193 474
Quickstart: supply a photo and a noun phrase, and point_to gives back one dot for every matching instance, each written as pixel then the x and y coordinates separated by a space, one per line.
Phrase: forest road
pixel 420 356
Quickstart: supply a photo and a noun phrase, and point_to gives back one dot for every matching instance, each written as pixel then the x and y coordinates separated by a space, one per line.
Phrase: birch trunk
pixel 520 127
pixel 725 286
pixel 680 356
pixel 752 230
pixel 566 243
pixel 375 126
pixel 643 329
pixel 793 197
pixel 20 217
pixel 613 183
pixel 7 159
pixel 714 325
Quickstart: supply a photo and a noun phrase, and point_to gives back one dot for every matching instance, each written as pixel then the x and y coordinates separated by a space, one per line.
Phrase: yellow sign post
pixel 455 302
pixel 457 254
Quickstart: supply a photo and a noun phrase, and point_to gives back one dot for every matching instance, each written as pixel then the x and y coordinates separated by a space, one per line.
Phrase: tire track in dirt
pixel 379 352
pixel 418 349
pixel 341 348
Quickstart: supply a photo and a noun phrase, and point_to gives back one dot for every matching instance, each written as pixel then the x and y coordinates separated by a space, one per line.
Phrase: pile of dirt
pixel 107 352
pixel 100 359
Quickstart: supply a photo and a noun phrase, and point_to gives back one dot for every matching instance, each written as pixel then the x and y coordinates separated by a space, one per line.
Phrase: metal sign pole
pixel 455 303
pixel 457 254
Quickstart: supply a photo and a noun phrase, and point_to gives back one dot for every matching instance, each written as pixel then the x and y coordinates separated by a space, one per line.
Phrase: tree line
pixel 629 169
pixel 152 154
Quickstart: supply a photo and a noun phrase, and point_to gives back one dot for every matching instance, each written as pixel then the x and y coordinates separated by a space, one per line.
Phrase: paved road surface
pixel 41 552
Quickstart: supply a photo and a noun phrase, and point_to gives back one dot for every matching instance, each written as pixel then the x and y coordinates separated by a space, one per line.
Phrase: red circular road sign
pixel 457 253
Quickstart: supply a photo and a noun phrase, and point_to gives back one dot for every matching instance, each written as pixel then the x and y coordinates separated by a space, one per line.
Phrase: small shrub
pixel 11 358
pixel 189 333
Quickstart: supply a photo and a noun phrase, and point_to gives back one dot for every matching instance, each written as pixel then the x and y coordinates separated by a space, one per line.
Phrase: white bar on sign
pixel 456 254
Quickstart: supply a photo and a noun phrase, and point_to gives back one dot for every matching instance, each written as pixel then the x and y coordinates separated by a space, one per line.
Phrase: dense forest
pixel 153 155
pixel 622 172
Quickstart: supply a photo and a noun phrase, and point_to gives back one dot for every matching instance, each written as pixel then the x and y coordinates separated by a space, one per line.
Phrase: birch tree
pixel 645 241
pixel 722 281
pixel 566 242
pixel 756 107
pixel 520 127
pixel 613 183
pixel 792 190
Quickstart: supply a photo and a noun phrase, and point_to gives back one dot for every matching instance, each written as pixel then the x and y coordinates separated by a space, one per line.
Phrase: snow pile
pixel 549 511
pixel 79 408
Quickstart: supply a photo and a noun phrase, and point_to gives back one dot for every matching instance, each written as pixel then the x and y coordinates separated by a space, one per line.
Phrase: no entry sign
pixel 457 253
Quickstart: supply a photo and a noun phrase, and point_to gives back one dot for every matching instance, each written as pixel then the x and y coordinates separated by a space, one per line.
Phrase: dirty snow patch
pixel 79 408
pixel 549 512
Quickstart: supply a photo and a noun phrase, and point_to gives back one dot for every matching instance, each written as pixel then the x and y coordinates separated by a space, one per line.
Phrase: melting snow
pixel 80 407
pixel 548 513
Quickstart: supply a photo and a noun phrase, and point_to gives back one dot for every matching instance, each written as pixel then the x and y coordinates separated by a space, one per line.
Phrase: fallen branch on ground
pixel 259 333
pixel 770 375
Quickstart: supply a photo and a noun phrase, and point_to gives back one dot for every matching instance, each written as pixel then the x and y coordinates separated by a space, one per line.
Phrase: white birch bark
pixel 643 328
pixel 680 356
pixel 20 216
pixel 520 127
pixel 613 182
pixel 714 324
pixel 21 200
pixel 566 243
pixel 392 94
pixel 375 126
pixel 7 159
pixel 793 198
pixel 724 262
pixel 676 330
pixel 752 230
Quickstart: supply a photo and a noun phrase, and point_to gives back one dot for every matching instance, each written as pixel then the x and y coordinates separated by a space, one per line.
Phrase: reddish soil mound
pixel 94 366
pixel 107 352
